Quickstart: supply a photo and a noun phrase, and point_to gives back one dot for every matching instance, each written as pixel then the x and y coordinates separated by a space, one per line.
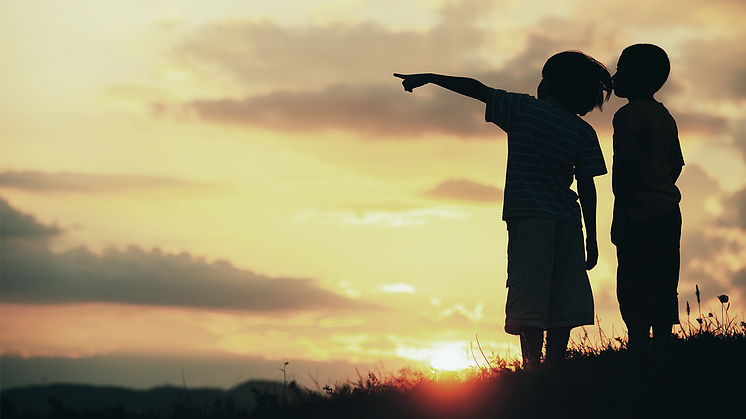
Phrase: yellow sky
pixel 245 182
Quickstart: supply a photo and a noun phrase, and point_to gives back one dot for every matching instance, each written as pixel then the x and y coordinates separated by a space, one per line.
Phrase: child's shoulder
pixel 642 107
pixel 634 110
pixel 640 114
pixel 637 110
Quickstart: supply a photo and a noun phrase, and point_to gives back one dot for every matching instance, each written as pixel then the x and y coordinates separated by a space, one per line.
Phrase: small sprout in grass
pixel 284 381
pixel 723 298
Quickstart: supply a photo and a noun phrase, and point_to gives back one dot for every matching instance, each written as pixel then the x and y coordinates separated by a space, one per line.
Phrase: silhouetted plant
pixel 711 324
pixel 284 381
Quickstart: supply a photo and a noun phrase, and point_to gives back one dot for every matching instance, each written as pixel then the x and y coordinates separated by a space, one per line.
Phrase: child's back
pixel 548 146
pixel 645 131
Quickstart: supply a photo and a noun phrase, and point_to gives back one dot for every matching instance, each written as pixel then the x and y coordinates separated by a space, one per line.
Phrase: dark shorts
pixel 648 270
pixel 548 285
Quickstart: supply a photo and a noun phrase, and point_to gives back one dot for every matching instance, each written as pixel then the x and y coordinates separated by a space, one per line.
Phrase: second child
pixel 646 226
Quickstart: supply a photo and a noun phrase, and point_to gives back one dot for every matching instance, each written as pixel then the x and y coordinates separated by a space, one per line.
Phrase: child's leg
pixel 530 265
pixel 557 339
pixel 662 332
pixel 638 277
pixel 532 340
pixel 668 302
pixel 639 334
pixel 571 299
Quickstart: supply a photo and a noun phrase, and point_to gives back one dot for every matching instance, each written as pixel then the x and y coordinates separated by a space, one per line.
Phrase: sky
pixel 198 192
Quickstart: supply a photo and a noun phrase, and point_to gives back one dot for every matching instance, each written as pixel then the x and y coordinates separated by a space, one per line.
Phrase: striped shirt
pixel 547 146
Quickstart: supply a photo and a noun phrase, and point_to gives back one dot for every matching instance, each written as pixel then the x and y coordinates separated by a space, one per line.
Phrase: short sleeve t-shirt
pixel 547 146
pixel 645 132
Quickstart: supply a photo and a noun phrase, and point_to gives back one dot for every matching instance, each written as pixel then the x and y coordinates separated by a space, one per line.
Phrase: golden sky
pixel 220 187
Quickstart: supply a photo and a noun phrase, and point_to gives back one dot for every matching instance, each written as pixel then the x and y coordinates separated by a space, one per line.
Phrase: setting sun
pixel 449 360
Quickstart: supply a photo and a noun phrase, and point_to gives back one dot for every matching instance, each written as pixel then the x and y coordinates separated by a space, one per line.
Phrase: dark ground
pixel 703 376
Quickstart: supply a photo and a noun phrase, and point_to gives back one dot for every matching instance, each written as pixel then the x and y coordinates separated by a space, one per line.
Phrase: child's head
pixel 642 70
pixel 576 80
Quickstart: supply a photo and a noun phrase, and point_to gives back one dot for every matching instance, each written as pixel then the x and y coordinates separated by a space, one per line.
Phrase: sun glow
pixel 448 359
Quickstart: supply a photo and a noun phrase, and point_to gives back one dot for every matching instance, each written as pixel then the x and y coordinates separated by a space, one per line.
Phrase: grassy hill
pixel 698 376
pixel 702 376
pixel 699 373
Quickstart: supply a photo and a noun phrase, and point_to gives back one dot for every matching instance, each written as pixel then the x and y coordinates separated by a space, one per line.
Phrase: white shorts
pixel 548 285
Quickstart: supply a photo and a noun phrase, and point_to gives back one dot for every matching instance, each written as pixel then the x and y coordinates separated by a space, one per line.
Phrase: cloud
pixel 338 76
pixel 358 93
pixel 716 68
pixel 734 211
pixel 712 258
pixel 457 316
pixel 17 225
pixel 390 205
pixel 466 190
pixel 77 182
pixel 36 275
pixel 739 280
pixel 698 190
pixel 713 242
pixel 374 111
pixel 739 138
pixel 414 217
pixel 399 287
pixel 700 123
pixel 252 54
pixel 726 14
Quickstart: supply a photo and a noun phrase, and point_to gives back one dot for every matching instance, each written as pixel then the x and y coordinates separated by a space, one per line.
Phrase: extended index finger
pixel 401 76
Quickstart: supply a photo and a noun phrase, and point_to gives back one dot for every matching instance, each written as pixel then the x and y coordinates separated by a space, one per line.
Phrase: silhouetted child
pixel 548 146
pixel 646 227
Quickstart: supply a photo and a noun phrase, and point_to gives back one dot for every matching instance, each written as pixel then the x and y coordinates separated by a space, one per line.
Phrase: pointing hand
pixel 412 81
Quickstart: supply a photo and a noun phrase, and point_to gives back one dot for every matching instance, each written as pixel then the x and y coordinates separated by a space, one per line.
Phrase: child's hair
pixel 653 64
pixel 577 81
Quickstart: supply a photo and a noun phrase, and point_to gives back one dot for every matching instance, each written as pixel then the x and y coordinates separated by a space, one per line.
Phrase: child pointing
pixel 549 146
